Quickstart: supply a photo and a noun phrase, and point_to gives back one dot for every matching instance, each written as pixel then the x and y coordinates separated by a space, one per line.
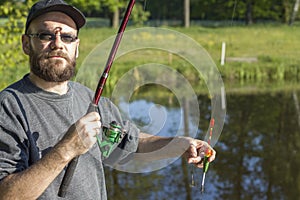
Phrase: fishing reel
pixel 111 137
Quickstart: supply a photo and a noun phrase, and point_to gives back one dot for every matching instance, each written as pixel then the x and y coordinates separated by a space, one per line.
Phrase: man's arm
pixel 155 148
pixel 32 182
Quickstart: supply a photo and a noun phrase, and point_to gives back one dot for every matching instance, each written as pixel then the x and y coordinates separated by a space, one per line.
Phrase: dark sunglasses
pixel 47 37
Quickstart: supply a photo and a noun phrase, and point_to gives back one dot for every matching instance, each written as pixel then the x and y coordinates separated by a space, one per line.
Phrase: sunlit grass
pixel 275 47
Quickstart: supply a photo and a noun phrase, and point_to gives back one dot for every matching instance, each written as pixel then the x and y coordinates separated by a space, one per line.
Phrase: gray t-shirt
pixel 32 121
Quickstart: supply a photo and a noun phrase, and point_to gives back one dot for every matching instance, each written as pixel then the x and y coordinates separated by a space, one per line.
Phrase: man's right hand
pixel 78 140
pixel 81 136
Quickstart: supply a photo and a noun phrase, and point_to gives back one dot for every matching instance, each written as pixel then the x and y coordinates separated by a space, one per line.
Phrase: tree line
pixel 13 15
pixel 246 11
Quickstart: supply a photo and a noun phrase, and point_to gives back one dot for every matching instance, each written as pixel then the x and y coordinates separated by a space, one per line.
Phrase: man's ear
pixel 25 44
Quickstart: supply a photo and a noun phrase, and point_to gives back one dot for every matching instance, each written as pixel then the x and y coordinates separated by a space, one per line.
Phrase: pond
pixel 257 152
pixel 257 138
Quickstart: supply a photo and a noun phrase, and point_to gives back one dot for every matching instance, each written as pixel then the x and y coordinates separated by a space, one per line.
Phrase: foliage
pixel 139 15
pixel 239 10
pixel 12 58
pixel 114 5
pixel 165 9
pixel 276 10
pixel 87 6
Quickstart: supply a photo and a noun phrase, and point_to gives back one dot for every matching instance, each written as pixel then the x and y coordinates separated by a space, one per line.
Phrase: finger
pixel 88 142
pixel 198 162
pixel 193 150
pixel 194 160
pixel 201 152
pixel 201 144
pixel 92 116
pixel 93 133
pixel 87 133
pixel 200 165
pixel 94 125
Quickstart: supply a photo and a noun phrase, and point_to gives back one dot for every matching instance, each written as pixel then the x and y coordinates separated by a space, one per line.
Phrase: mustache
pixel 57 53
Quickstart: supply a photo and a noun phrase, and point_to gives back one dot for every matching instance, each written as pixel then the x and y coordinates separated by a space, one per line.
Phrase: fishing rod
pixel 114 133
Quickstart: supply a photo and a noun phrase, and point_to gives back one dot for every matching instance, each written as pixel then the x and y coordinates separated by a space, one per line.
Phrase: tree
pixel 249 18
pixel 295 11
pixel 139 15
pixel 186 13
pixel 114 7
pixel 87 6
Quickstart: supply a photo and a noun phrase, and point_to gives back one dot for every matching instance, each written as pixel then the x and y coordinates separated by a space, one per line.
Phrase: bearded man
pixel 43 120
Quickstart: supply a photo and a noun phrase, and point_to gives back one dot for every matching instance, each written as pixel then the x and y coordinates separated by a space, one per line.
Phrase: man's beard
pixel 51 69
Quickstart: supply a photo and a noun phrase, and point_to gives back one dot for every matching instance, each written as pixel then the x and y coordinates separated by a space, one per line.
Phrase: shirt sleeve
pixel 129 143
pixel 13 143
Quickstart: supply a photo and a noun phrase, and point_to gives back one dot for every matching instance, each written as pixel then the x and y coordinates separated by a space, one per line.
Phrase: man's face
pixel 51 49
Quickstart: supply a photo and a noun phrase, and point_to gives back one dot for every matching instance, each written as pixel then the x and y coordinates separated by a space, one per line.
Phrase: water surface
pixel 257 152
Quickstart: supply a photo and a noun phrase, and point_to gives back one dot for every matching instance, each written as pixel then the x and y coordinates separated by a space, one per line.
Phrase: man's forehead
pixel 54 20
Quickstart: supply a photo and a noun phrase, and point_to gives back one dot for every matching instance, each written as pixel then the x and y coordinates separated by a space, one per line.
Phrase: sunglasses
pixel 48 37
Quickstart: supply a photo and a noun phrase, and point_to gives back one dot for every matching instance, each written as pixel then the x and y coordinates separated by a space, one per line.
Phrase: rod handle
pixel 67 177
pixel 72 165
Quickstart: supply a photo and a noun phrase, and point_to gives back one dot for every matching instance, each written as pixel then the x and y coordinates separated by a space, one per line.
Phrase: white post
pixel 223 53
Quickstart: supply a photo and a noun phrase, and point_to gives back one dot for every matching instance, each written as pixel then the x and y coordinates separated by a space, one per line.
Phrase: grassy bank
pixel 275 50
pixel 267 55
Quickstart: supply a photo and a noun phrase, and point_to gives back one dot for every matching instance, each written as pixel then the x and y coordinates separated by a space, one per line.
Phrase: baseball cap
pixel 44 6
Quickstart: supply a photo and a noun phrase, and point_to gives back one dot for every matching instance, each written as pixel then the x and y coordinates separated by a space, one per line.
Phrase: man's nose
pixel 57 42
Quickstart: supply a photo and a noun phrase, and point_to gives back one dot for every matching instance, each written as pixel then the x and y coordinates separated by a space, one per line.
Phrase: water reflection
pixel 257 155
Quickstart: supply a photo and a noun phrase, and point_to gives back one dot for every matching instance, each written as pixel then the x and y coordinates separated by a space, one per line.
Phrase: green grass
pixel 277 48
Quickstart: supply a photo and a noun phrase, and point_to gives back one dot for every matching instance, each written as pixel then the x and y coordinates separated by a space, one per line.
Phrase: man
pixel 44 124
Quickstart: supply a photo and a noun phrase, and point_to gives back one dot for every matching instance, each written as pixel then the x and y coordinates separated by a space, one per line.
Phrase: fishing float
pixel 208 153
